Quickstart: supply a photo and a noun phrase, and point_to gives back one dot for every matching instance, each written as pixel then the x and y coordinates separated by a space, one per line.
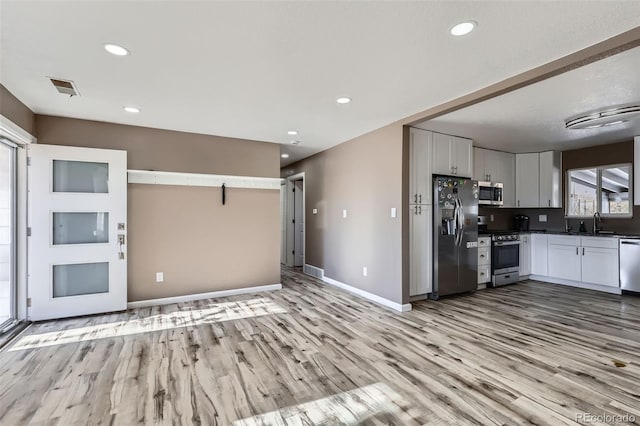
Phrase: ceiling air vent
pixel 66 87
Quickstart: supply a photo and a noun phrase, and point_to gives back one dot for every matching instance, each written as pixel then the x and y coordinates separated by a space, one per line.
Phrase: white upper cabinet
pixel 463 157
pixel 506 171
pixel 550 179
pixel 452 155
pixel 479 161
pixel 497 167
pixel 528 180
pixel 442 164
pixel 539 179
pixel 421 147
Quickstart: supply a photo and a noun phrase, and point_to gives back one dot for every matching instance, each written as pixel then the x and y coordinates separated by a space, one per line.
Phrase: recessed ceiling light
pixel 295 142
pixel 292 132
pixel 132 109
pixel 115 49
pixel 463 28
pixel 343 100
pixel 284 155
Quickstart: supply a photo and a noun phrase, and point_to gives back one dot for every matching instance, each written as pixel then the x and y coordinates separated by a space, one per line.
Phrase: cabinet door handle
pixel 518 203
pixel 577 253
pixel 420 198
pixel 583 251
pixel 419 209
pixel 549 203
pixel 415 198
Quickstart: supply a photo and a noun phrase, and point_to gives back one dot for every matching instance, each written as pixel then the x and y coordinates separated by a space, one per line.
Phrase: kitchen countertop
pixel 573 234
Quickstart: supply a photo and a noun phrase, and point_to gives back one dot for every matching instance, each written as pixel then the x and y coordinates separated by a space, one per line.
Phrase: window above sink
pixel 605 189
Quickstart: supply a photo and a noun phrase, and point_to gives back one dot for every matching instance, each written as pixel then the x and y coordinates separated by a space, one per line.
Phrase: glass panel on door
pixel 80 176
pixel 80 228
pixel 7 234
pixel 80 278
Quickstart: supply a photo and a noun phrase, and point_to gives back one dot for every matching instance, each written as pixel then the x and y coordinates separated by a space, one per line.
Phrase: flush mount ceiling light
pixel 343 100
pixel 132 110
pixel 115 49
pixel 292 132
pixel 608 117
pixel 295 142
pixel 284 155
pixel 463 28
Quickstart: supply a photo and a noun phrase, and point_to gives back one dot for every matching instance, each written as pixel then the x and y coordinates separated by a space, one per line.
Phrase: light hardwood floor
pixel 530 353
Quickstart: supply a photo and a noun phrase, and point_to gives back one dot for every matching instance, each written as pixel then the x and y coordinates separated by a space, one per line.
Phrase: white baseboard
pixel 314 271
pixel 603 288
pixel 370 296
pixel 200 296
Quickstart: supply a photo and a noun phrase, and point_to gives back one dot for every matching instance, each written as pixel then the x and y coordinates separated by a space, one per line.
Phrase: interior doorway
pixel 294 225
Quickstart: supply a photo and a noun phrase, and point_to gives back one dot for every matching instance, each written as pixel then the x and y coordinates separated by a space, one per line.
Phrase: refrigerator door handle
pixel 461 225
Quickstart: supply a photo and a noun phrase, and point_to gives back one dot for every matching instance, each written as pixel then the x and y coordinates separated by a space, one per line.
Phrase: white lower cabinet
pixel 525 255
pixel 484 260
pixel 564 262
pixel 539 255
pixel 581 260
pixel 420 250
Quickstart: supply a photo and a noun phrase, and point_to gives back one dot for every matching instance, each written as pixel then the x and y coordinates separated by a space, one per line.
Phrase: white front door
pixel 78 220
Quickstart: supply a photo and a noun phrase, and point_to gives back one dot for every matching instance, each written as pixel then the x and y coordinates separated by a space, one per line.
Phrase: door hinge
pixel 28 231
pixel 28 161
pixel 28 302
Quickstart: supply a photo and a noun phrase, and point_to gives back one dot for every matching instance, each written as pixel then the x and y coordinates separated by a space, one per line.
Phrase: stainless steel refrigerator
pixel 455 236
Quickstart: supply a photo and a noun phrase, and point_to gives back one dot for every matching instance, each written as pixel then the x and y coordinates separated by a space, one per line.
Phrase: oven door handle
pixel 505 243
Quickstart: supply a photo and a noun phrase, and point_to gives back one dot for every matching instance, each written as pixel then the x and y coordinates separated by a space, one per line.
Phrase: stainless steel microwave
pixel 490 194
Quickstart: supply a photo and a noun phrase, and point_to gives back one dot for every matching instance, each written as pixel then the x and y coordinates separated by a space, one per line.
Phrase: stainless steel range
pixel 505 258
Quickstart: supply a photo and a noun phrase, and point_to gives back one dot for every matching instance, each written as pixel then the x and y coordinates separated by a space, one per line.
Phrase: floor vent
pixel 66 87
pixel 313 271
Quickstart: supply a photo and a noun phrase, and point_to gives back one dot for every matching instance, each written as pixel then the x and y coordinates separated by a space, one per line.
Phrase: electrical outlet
pixel 394 212
pixel 159 277
pixel 365 272
pixel 315 211
pixel 344 213
pixel 542 218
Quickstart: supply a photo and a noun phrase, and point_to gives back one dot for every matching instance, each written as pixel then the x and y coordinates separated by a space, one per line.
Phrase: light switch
pixel 315 211
pixel 344 213
pixel 542 218
pixel 394 212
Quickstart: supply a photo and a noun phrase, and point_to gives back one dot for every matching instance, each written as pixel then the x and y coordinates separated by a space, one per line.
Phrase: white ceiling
pixel 257 69
pixel 532 119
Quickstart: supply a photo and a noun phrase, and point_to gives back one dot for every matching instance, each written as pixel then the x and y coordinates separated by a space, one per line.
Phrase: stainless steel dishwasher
pixel 630 264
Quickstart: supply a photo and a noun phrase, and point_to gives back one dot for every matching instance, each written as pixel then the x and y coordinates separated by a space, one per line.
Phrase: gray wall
pixel 363 176
pixel 16 111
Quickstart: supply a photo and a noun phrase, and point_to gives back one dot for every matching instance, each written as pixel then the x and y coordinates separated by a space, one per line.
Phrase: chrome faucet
pixel 596 219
